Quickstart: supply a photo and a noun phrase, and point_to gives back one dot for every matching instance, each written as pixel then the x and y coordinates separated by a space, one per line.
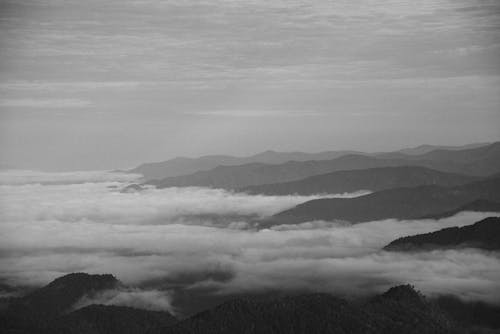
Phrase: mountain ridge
pixel 399 203
pixel 371 179
pixel 484 234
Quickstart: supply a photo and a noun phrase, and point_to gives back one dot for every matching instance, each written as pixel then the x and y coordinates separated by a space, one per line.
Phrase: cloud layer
pixel 147 239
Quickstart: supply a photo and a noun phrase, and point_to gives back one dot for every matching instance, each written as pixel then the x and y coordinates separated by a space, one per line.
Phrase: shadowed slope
pixel 484 234
pixel 374 179
pixel 401 203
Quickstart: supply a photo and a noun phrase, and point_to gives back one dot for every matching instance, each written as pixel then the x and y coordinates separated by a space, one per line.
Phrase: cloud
pixel 147 240
pixel 44 103
pixel 257 113
pixel 153 300
pixel 85 196
pixel 70 86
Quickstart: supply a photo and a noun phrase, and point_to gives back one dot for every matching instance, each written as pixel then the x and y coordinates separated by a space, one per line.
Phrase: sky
pixel 111 84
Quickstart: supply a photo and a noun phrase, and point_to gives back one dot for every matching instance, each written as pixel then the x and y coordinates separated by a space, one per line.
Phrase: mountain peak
pixel 59 295
pixel 404 293
pixel 82 278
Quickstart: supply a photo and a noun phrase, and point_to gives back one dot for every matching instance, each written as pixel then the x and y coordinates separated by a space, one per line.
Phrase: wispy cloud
pixel 68 86
pixel 256 113
pixel 44 103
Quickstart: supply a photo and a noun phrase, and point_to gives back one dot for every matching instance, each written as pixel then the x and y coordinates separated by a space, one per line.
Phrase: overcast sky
pixel 107 84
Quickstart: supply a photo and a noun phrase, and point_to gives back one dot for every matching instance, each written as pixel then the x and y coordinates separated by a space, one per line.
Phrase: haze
pixel 102 85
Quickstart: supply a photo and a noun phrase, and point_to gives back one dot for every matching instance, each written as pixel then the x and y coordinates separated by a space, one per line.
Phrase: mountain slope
pixel 104 319
pixel 400 310
pixel 40 307
pixel 374 179
pixel 484 234
pixel 400 203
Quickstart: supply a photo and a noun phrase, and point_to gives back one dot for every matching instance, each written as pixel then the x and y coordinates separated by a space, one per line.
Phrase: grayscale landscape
pixel 254 167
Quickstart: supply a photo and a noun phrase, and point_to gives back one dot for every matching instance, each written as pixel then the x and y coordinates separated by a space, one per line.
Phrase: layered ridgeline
pixel 484 234
pixel 482 161
pixel 399 203
pixel 183 165
pixel 399 310
pixel 373 179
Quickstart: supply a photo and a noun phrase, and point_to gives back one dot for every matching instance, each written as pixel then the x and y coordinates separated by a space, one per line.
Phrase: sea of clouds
pixel 54 224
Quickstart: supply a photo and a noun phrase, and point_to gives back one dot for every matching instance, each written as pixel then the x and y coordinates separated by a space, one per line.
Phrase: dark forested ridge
pixel 38 308
pixel 399 310
pixel 484 234
pixel 96 319
pixel 372 179
pixel 400 203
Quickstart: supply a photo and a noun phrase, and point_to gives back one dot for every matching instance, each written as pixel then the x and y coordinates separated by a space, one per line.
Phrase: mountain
pixel 482 161
pixel 183 166
pixel 484 234
pixel 373 179
pixel 39 307
pixel 470 314
pixel 106 319
pixel 400 310
pixel 399 203
pixel 64 291
pixel 422 149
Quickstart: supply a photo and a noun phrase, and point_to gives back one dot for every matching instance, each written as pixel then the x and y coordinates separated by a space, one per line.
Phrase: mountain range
pixel 482 161
pixel 184 166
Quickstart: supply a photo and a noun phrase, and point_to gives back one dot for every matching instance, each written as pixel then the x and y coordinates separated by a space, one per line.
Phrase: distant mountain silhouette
pixel 484 234
pixel 104 319
pixel 373 179
pixel 400 310
pixel 422 149
pixel 400 203
pixel 482 161
pixel 183 166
